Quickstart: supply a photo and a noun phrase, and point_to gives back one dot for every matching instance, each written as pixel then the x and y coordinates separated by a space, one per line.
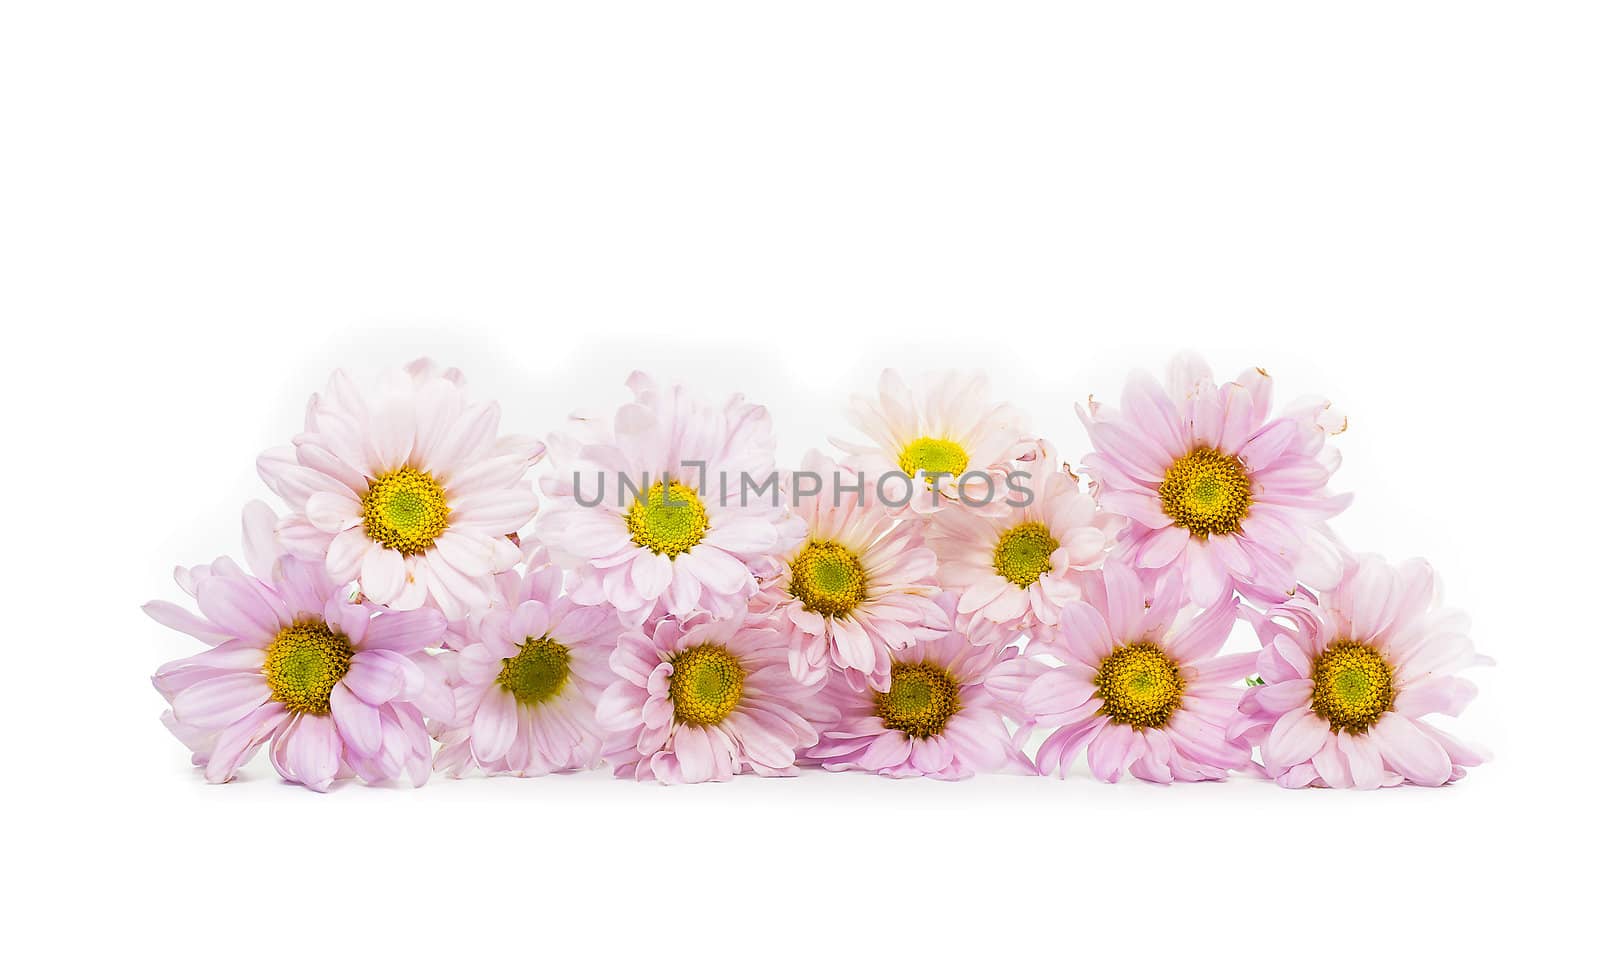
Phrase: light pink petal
pixel 1057 691
pixel 1280 698
pixel 1294 738
pixel 1331 765
pixel 376 676
pixel 889 749
pixel 404 632
pixel 357 722
pixel 235 606
pixel 218 701
pixel 176 617
pixel 693 747
pixel 237 743
pixel 495 726
pixel 383 573
pixel 1108 753
pixel 1084 633
pixel 1205 636
pixel 1162 547
pixel 333 511
pixel 345 553
pixel 1410 752
pixel 1448 695
pixel 1366 765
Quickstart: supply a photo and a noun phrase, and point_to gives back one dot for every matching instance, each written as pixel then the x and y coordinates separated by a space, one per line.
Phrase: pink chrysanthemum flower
pixel 946 435
pixel 527 684
pixel 710 525
pixel 1141 685
pixel 1347 683
pixel 858 589
pixel 703 700
pixel 1215 487
pixel 1014 571
pixel 339 688
pixel 406 487
pixel 943 714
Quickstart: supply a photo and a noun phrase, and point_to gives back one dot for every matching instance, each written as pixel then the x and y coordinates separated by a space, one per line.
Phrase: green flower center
pixel 922 698
pixel 1138 686
pixel 668 520
pixel 405 510
pixel 936 455
pixel 1206 492
pixel 304 663
pixel 537 673
pixel 828 578
pixel 706 684
pixel 1351 686
pixel 1023 553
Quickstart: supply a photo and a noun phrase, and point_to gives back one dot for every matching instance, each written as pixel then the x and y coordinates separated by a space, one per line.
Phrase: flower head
pixel 1013 571
pixel 667 506
pixel 406 487
pixel 1141 686
pixel 1215 487
pixel 942 714
pixel 339 688
pixel 1348 680
pixel 858 589
pixel 937 436
pixel 527 682
pixel 704 699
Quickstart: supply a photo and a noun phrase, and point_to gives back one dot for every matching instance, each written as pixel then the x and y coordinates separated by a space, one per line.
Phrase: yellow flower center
pixel 537 673
pixel 405 510
pixel 922 698
pixel 668 520
pixel 1023 553
pixel 828 578
pixel 936 455
pixel 1138 686
pixel 706 684
pixel 1206 492
pixel 1351 686
pixel 304 663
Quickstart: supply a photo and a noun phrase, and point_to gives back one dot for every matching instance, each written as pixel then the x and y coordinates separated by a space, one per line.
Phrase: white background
pixel 205 207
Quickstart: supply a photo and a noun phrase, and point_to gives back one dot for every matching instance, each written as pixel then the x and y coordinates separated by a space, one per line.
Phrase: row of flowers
pixel 414 609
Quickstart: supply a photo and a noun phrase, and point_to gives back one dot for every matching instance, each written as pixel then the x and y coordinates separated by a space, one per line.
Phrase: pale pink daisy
pixel 339 688
pixel 943 713
pixel 405 486
pixel 702 700
pixel 945 434
pixel 1141 685
pixel 527 683
pixel 674 503
pixel 1014 571
pixel 1215 487
pixel 858 589
pixel 1348 681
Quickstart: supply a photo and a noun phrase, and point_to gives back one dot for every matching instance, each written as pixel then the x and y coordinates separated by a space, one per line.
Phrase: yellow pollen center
pixel 668 521
pixel 935 455
pixel 1207 492
pixel 1023 553
pixel 304 663
pixel 1138 686
pixel 537 673
pixel 1351 686
pixel 706 684
pixel 405 510
pixel 922 698
pixel 827 578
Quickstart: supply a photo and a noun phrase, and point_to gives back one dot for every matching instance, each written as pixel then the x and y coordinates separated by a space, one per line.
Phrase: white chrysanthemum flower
pixel 406 486
pixel 934 438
